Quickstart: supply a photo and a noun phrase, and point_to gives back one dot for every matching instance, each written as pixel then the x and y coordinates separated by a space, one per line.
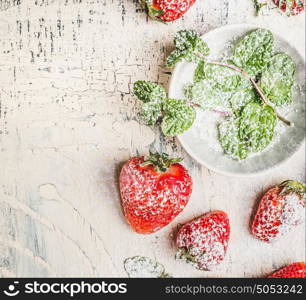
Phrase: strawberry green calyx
pixel 185 254
pixel 161 162
pixel 291 186
pixel 259 5
pixel 153 12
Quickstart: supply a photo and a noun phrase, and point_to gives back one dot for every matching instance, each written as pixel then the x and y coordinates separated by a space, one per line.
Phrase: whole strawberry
pixel 153 191
pixel 204 241
pixel 290 7
pixel 167 10
pixel 280 210
pixel 295 270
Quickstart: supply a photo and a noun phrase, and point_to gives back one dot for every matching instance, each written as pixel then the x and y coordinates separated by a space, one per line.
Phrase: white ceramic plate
pixel 203 146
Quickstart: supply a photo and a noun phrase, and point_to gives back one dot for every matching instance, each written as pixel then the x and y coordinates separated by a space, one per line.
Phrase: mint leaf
pixel 151 112
pixel 178 117
pixel 240 99
pixel 144 267
pixel 223 78
pixel 206 95
pixel 253 52
pixel 230 140
pixel 187 45
pixel 257 125
pixel 147 91
pixel 199 74
pixel 278 78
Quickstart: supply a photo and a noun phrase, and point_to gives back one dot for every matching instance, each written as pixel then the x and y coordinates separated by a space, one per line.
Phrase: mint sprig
pixel 188 44
pixel 175 115
pixel 251 56
pixel 245 85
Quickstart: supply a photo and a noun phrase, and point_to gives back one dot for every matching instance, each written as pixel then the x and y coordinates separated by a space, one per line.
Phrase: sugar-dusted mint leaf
pixel 144 267
pixel 230 140
pixel 240 99
pixel 278 78
pixel 147 91
pixel 257 126
pixel 199 74
pixel 178 117
pixel 205 94
pixel 188 44
pixel 253 52
pixel 223 78
pixel 151 112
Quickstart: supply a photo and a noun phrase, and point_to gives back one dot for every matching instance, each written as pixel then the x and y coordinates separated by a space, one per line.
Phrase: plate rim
pixel 187 148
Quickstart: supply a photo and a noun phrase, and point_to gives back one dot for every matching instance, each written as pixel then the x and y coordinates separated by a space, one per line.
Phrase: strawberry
pixel 280 210
pixel 295 270
pixel 153 191
pixel 203 242
pixel 167 10
pixel 291 7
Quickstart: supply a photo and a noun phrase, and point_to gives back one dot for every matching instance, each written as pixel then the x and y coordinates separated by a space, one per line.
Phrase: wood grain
pixel 68 121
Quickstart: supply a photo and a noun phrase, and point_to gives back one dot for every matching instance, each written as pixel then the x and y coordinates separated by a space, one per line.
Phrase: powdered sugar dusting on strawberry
pixel 277 214
pixel 151 200
pixel 204 241
pixel 173 9
pixel 295 270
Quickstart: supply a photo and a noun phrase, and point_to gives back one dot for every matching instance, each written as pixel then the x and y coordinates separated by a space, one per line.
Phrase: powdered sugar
pixel 204 241
pixel 144 267
pixel 278 214
pixel 151 200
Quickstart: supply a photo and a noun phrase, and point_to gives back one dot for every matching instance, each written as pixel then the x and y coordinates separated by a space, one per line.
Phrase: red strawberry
pixel 167 10
pixel 280 210
pixel 203 242
pixel 291 7
pixel 295 270
pixel 153 191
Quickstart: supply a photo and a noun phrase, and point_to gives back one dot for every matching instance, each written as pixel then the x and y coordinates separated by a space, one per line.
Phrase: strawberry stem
pixel 161 162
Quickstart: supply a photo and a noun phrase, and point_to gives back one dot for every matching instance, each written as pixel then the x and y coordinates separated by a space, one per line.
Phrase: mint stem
pixel 258 89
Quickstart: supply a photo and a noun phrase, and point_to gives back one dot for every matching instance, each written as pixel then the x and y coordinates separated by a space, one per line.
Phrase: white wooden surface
pixel 68 121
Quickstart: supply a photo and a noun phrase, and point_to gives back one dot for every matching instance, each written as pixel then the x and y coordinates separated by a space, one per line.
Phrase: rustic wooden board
pixel 68 121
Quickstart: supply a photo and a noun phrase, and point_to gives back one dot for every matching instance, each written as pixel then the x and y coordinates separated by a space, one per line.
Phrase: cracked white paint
pixel 68 121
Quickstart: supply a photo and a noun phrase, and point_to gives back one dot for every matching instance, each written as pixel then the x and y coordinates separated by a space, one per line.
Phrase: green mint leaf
pixel 178 117
pixel 147 91
pixel 151 112
pixel 144 267
pixel 257 125
pixel 240 99
pixel 278 78
pixel 230 140
pixel 199 74
pixel 205 94
pixel 253 52
pixel 188 44
pixel 224 78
